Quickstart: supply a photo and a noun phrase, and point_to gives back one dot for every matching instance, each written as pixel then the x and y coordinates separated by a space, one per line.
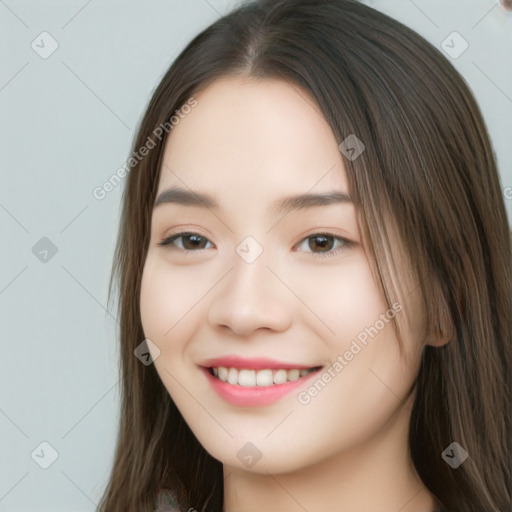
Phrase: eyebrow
pixel 184 197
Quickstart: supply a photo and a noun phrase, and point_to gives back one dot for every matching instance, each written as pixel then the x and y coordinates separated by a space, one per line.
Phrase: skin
pixel 249 143
pixel 506 5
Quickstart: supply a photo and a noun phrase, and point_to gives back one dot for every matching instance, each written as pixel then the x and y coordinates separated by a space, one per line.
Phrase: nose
pixel 251 297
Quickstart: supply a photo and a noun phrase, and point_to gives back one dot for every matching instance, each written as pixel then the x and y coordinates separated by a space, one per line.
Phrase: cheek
pixel 166 298
pixel 363 335
pixel 346 298
pixel 152 300
pixel 165 310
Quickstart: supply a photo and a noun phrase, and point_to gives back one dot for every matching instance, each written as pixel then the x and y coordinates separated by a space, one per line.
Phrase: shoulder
pixel 166 501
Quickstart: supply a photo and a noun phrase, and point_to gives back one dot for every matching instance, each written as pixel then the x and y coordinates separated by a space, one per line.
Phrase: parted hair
pixel 428 171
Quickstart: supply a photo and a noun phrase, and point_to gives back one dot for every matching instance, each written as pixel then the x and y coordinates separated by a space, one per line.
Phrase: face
pixel 280 303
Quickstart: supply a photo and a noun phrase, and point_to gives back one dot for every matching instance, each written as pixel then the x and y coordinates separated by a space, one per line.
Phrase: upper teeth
pixel 248 378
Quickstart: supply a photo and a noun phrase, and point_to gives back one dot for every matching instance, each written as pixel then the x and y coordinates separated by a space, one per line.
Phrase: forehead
pixel 255 137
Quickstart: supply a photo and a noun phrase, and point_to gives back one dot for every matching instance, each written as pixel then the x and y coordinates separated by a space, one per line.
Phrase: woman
pixel 314 253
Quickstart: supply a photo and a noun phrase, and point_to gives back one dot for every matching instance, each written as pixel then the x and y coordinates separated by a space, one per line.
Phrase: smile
pixel 261 378
pixel 251 383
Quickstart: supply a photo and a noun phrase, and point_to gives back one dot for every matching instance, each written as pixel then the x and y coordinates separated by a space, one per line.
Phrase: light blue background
pixel 67 124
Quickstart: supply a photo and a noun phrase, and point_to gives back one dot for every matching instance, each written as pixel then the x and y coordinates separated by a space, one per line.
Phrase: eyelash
pixel 345 243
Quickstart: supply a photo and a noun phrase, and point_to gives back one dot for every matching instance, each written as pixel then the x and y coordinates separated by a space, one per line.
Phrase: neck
pixel 377 476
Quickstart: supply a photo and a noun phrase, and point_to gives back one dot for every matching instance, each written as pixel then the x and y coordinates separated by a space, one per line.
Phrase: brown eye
pixel 321 244
pixel 324 243
pixel 190 241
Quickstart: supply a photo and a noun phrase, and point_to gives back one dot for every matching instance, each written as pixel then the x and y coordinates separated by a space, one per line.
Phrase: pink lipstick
pixel 255 382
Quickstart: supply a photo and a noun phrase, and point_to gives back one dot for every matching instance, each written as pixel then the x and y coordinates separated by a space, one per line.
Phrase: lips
pixel 252 382
pixel 260 363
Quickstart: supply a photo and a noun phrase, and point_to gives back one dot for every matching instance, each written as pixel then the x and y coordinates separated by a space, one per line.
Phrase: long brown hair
pixel 428 168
